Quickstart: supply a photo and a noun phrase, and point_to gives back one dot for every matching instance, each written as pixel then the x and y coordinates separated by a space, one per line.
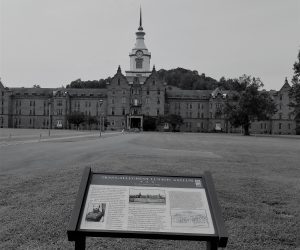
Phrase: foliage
pixel 179 77
pixel 295 93
pixel 91 120
pixel 36 86
pixel 174 120
pixel 188 79
pixel 89 83
pixel 252 105
pixel 76 118
pixel 149 123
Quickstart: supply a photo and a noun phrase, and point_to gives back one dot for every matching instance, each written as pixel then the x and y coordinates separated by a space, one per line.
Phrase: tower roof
pixel 286 85
pixel 140 44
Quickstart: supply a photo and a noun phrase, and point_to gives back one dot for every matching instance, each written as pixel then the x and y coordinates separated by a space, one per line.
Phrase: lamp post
pixel 49 116
pixel 100 123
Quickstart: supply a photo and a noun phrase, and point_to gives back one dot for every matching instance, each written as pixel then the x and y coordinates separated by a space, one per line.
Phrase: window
pixel 147 100
pixel 280 116
pixel 158 91
pixel 153 82
pixel 158 101
pixel 157 111
pixel 124 92
pixel 112 100
pixel 289 126
pixel 191 106
pixel 123 100
pixel 147 91
pixel 279 125
pixel 123 111
pixel 112 111
pixel 218 105
pixel 119 81
pixel 280 97
pixel 202 115
pixel 280 106
pixel 59 102
pixel 139 63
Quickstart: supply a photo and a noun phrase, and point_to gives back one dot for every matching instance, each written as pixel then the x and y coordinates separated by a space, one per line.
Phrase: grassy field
pixel 257 181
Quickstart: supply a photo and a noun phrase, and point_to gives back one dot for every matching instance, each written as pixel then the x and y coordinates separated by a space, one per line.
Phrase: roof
pixel 62 91
pixel 174 92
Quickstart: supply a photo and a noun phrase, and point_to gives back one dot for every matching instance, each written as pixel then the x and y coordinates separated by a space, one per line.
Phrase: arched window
pixel 139 63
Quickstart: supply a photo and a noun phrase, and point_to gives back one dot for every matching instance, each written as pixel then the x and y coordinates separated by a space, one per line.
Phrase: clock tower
pixel 139 55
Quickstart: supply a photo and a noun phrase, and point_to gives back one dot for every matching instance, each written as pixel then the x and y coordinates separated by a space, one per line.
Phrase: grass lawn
pixel 257 181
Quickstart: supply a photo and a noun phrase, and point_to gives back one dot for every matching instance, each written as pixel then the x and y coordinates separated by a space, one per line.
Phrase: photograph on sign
pixel 154 196
pixel 148 208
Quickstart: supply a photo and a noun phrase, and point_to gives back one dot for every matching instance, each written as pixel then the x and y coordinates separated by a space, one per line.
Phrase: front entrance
pixel 135 121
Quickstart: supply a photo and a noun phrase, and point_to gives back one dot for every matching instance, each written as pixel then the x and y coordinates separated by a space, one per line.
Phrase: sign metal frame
pixel 218 239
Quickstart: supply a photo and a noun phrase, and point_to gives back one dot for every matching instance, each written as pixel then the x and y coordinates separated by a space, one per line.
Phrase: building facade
pixel 128 99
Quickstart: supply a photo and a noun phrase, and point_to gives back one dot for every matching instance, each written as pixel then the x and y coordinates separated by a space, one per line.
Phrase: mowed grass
pixel 257 181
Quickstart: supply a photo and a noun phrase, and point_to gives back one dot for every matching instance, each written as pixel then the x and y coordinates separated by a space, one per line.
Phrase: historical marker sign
pixel 144 206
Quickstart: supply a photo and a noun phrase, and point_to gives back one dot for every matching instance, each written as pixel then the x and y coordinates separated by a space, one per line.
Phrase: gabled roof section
pixel 1 85
pixel 217 92
pixel 286 85
pixel 119 74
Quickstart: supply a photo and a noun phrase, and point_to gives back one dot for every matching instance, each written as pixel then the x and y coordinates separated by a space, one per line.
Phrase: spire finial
pixel 141 24
pixel 119 69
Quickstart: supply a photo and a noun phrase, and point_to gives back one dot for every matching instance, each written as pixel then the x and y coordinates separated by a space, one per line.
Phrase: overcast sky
pixel 52 42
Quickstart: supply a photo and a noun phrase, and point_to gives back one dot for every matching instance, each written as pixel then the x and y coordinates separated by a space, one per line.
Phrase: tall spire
pixel 141 26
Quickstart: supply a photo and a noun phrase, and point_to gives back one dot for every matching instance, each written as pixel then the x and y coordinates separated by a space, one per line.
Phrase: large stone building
pixel 129 98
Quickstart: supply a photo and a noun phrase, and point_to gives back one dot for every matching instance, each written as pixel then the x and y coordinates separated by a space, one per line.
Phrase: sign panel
pixel 147 204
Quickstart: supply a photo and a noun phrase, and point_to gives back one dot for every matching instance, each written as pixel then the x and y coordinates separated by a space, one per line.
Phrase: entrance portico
pixel 135 121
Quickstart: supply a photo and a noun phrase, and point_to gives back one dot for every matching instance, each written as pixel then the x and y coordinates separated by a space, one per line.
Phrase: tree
pixel 174 120
pixel 91 120
pixel 149 123
pixel 252 105
pixel 76 118
pixel 295 93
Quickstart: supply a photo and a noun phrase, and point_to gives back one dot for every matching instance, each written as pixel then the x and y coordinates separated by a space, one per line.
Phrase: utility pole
pixel 100 117
pixel 49 116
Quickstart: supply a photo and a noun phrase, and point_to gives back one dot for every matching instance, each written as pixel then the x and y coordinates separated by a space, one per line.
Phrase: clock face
pixel 139 53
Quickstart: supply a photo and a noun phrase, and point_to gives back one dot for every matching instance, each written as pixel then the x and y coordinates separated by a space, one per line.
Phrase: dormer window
pixel 139 63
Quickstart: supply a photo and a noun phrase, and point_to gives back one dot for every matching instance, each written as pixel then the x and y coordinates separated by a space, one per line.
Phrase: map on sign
pixel 147 203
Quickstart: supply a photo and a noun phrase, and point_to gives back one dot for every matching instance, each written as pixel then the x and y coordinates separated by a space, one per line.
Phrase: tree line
pixel 179 77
